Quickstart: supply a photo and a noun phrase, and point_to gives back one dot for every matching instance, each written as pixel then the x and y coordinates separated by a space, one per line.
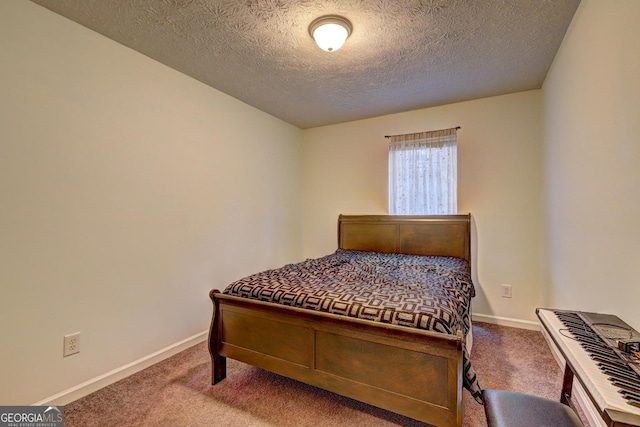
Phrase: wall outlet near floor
pixel 506 291
pixel 71 344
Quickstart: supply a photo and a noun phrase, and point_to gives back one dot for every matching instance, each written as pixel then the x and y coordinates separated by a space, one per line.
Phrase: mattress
pixel 425 292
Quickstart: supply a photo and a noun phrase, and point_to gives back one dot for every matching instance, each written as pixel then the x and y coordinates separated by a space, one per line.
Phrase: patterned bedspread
pixel 431 293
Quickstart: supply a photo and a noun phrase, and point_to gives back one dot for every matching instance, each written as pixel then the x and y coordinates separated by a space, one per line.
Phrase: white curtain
pixel 423 173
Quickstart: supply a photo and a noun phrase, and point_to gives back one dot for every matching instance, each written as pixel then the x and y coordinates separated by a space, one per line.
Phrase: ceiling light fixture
pixel 330 32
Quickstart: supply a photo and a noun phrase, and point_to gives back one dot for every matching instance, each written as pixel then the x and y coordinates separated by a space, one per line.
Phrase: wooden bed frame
pixel 409 371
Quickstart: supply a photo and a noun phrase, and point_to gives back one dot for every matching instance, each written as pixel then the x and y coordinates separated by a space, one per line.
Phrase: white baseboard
pixel 506 321
pixel 117 374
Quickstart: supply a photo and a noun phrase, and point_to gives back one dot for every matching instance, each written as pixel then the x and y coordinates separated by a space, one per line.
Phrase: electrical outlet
pixel 71 344
pixel 506 291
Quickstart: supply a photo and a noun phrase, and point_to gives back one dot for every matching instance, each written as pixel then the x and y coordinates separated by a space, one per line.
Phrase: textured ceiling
pixel 402 55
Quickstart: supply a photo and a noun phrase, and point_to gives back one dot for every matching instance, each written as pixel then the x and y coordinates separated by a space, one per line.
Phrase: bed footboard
pixel 412 372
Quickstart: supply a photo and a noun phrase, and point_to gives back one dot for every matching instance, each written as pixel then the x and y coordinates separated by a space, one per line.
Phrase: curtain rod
pixel 389 136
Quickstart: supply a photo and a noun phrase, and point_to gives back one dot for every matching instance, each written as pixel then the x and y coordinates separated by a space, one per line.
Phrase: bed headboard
pixel 441 235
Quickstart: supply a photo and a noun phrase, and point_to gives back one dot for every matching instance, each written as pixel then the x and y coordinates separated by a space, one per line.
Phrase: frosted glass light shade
pixel 330 32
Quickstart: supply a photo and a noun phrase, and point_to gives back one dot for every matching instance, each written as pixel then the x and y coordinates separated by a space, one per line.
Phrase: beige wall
pixel 592 163
pixel 128 191
pixel 499 167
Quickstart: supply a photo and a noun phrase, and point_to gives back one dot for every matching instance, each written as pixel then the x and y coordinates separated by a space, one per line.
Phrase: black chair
pixel 509 409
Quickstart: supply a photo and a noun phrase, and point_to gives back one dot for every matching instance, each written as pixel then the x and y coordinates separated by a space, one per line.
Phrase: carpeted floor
pixel 177 391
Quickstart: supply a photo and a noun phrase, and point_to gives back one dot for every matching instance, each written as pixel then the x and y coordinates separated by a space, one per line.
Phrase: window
pixel 423 173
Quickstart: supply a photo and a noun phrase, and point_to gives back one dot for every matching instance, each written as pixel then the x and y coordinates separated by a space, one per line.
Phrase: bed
pixel 383 356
